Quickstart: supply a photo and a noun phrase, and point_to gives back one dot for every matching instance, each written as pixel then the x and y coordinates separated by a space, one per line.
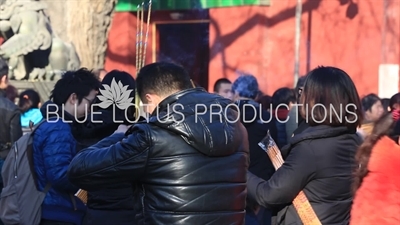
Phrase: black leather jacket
pixel 10 123
pixel 187 172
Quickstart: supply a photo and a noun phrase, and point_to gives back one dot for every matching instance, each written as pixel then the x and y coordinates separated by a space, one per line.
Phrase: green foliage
pixel 131 5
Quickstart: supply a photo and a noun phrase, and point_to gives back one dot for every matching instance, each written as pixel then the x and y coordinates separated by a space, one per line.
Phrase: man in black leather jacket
pixel 189 161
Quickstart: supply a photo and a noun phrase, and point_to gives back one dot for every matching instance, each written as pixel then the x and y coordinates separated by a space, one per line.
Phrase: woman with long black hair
pixel 320 159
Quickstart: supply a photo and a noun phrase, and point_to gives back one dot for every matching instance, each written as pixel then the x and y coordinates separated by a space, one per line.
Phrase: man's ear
pixel 149 98
pixel 73 99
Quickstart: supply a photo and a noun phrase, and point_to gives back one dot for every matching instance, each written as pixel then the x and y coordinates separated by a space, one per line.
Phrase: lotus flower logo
pixel 115 94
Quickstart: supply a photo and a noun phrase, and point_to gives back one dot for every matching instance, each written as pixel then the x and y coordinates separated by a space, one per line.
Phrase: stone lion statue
pixel 32 49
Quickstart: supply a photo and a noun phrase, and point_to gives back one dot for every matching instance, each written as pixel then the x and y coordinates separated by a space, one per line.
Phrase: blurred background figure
pixel 259 96
pixel 294 115
pixel 100 73
pixel 282 101
pixel 11 93
pixel 257 122
pixel 265 102
pixel 223 87
pixel 29 105
pixel 10 125
pixel 377 184
pixel 386 105
pixel 373 110
pixel 394 106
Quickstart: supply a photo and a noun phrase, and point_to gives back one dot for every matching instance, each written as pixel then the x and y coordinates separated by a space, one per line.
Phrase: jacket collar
pixel 173 98
pixel 320 131
pixel 315 132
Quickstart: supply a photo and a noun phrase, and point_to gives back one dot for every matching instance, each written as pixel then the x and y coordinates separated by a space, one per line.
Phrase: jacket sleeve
pixel 15 126
pixel 58 150
pixel 99 166
pixel 287 182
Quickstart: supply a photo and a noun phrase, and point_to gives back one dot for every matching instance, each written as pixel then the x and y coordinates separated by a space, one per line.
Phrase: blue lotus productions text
pixel 214 113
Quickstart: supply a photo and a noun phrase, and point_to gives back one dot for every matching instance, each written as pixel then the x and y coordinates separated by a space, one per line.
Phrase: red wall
pixel 122 44
pixel 261 41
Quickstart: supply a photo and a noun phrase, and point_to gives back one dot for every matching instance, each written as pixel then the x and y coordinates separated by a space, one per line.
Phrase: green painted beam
pixel 131 5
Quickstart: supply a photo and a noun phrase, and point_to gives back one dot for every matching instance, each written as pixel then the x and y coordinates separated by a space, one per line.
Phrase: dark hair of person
pixel 385 104
pixel 126 80
pixel 28 99
pixel 162 79
pixel 395 99
pixel 283 96
pixel 11 93
pixel 3 68
pixel 81 82
pixel 265 102
pixel 368 101
pixel 333 89
pixel 382 127
pixel 300 84
pixel 219 82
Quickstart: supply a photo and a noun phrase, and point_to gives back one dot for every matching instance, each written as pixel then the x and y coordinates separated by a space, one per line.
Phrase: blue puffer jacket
pixel 53 149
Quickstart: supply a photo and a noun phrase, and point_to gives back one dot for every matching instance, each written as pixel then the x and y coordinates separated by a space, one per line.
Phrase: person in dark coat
pixel 283 100
pixel 257 122
pixel 295 119
pixel 321 158
pixel 114 205
pixel 10 124
pixel 189 162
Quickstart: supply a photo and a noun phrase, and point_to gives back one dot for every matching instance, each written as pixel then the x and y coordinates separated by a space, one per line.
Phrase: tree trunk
pixel 85 23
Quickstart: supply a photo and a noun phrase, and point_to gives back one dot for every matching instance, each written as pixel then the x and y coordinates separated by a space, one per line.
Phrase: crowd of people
pixel 202 167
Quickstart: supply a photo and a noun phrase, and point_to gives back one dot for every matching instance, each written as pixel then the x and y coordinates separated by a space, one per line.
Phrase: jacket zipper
pixel 16 160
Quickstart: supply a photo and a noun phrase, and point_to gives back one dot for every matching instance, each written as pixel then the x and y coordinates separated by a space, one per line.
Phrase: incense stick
pixel 147 33
pixel 300 203
pixel 141 45
pixel 137 38
pixel 141 36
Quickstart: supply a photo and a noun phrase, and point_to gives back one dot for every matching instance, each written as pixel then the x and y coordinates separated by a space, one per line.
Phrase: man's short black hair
pixel 163 79
pixel 218 83
pixel 283 96
pixel 3 68
pixel 80 82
